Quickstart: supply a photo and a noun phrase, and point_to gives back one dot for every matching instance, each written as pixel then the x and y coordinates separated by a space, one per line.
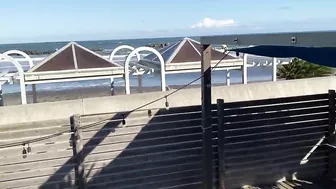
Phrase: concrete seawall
pixel 186 97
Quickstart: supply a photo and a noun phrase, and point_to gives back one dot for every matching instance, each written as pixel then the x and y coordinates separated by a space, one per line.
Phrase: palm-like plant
pixel 298 69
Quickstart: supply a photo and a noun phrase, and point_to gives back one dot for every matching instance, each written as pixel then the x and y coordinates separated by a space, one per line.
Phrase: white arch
pixel 123 47
pixel 30 61
pixel 21 77
pixel 128 59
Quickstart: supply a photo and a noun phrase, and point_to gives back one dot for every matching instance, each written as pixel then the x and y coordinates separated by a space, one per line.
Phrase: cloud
pixel 210 23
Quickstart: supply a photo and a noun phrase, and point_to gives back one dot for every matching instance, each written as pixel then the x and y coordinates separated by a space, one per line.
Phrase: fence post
pixel 221 138
pixel 331 134
pixel 77 147
pixel 207 152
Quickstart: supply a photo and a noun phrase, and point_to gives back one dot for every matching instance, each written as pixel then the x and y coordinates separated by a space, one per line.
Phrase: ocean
pixel 260 73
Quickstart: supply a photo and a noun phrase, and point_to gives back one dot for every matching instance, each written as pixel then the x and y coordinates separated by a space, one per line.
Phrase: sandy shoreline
pixel 79 93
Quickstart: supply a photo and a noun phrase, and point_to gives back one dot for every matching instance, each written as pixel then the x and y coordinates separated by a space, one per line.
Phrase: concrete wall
pixel 186 97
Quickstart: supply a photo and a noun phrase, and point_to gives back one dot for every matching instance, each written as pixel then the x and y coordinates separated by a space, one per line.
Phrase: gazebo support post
pixel 206 117
pixel 112 87
pixel 228 75
pixel 140 83
pixel 34 93
pixel 274 69
pixel 244 69
pixel 1 97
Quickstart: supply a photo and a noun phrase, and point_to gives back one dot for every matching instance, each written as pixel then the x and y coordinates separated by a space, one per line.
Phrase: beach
pixel 78 93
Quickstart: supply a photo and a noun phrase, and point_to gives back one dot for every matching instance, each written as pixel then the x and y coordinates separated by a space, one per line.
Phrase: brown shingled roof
pixel 73 56
pixel 187 50
pixel 190 51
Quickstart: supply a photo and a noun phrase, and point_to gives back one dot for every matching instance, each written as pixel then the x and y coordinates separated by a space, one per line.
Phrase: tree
pixel 298 69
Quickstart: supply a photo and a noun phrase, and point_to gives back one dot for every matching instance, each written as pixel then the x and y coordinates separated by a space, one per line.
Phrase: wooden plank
pixel 65 154
pixel 36 149
pixel 139 159
pixel 31 133
pixel 278 107
pixel 278 168
pixel 151 156
pixel 148 182
pixel 46 187
pixel 161 184
pixel 137 130
pixel 272 147
pixel 36 165
pixel 95 168
pixel 278 127
pixel 272 160
pixel 117 176
pixel 61 179
pixel 275 114
pixel 143 144
pixel 35 125
pixel 156 112
pixel 276 121
pixel 159 122
pixel 269 135
pixel 230 143
pixel 48 171
pixel 148 150
pixel 63 137
pixel 240 156
pixel 281 100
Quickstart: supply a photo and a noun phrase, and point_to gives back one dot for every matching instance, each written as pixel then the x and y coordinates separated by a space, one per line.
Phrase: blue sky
pixel 63 20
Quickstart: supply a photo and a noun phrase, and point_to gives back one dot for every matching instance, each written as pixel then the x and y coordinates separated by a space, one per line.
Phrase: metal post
pixel 206 117
pixel 244 70
pixel 112 86
pixel 1 97
pixel 34 93
pixel 331 134
pixel 140 83
pixel 274 69
pixel 228 83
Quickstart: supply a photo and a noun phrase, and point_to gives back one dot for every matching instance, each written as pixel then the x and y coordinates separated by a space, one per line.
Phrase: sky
pixel 74 20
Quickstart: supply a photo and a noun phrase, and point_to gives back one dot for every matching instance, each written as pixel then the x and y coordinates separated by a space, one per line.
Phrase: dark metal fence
pixel 253 142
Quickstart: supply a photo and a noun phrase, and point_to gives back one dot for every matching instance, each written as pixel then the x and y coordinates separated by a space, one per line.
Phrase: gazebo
pixel 73 62
pixel 185 56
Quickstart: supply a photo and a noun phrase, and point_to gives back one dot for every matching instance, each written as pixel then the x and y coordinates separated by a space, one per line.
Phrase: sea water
pixel 260 73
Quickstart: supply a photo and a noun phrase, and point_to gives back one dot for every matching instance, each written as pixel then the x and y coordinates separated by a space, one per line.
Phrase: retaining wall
pixel 186 97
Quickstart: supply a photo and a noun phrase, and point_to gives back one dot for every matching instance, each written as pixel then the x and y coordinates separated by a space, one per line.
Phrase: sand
pixel 79 93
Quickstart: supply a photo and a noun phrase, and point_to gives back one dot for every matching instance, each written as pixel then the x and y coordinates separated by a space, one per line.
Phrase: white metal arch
pixel 127 62
pixel 124 47
pixel 21 77
pixel 30 61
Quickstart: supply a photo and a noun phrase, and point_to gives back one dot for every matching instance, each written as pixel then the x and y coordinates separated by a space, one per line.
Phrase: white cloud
pixel 210 23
